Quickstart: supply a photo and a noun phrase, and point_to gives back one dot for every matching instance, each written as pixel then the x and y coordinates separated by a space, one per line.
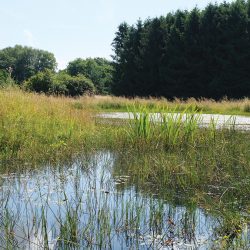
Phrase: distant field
pixel 208 106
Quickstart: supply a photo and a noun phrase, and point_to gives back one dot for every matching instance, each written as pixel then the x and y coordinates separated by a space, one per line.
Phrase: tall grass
pixel 165 154
pixel 182 126
pixel 33 125
pixel 140 123
pixel 86 210
pixel 169 128
pixel 110 103
pixel 37 126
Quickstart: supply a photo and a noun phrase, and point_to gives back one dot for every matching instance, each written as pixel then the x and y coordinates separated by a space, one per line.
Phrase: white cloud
pixel 29 38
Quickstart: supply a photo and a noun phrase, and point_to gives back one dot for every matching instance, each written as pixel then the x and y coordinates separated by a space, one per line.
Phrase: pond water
pixel 239 122
pixel 88 205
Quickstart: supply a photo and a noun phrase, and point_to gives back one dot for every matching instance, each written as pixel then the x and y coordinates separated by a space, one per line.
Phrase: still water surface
pixel 240 122
pixel 109 211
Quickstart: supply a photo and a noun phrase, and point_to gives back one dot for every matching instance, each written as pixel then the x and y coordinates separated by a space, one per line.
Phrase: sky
pixel 77 28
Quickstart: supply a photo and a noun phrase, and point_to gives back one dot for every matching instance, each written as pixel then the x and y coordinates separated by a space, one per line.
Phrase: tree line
pixel 197 53
pixel 35 70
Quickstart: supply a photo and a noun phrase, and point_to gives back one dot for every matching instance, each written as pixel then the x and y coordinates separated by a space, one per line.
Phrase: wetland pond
pixel 204 120
pixel 94 203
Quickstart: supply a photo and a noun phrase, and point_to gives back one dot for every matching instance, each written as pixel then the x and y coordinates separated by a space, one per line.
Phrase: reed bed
pixel 37 126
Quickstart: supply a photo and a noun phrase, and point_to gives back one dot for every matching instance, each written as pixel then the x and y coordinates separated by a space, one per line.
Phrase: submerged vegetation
pixel 154 167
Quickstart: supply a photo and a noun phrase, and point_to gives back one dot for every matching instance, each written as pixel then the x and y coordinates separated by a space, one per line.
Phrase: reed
pixel 158 171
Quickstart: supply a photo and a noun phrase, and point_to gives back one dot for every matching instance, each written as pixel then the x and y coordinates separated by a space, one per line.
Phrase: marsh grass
pixel 33 125
pixel 246 107
pixel 133 221
pixel 171 157
pixel 171 129
pixel 140 123
pixel 208 106
pixel 91 213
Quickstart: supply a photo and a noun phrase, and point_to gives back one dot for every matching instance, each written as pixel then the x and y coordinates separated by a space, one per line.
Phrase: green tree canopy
pixel 74 85
pixel 98 70
pixel 59 84
pixel 26 61
pixel 197 53
pixel 42 82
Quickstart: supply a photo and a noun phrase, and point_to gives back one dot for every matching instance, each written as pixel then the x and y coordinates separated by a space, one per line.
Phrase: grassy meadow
pixel 34 125
pixel 186 164
pixel 206 106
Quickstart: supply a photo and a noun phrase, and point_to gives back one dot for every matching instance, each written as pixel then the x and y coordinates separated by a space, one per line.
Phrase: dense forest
pixel 197 53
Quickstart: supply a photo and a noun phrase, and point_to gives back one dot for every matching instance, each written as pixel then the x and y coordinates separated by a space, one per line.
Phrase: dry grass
pixel 110 103
pixel 32 125
pixel 36 126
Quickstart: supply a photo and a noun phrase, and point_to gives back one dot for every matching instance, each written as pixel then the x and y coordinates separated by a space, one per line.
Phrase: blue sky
pixel 77 28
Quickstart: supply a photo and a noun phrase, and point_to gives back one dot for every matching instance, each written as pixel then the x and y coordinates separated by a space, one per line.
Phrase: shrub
pixel 41 82
pixel 98 70
pixel 77 85
pixel 59 84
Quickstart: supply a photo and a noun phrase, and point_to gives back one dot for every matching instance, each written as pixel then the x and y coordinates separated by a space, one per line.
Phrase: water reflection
pixel 87 204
